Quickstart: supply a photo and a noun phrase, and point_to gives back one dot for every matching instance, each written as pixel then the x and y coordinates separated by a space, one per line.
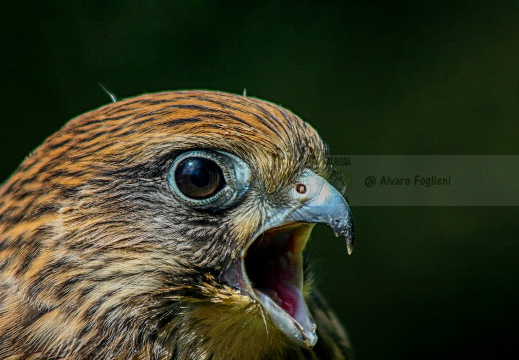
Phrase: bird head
pixel 169 223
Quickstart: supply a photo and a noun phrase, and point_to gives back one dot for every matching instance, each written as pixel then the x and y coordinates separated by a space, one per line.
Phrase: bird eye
pixel 208 179
pixel 199 178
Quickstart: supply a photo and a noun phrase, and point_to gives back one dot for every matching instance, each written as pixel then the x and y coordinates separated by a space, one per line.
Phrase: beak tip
pixel 349 246
pixel 350 239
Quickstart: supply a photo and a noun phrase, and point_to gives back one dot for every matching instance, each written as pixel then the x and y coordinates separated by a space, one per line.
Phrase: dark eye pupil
pixel 199 178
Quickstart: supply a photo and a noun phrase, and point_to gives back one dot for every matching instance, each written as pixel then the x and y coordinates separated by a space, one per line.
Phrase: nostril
pixel 301 188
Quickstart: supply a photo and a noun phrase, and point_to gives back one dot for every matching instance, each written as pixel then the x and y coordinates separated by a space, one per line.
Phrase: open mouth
pixel 272 274
pixel 274 265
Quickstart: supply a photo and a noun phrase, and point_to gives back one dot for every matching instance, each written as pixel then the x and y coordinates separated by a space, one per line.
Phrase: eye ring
pixel 222 178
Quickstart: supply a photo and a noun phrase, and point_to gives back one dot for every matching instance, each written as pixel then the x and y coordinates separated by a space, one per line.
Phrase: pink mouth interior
pixel 274 267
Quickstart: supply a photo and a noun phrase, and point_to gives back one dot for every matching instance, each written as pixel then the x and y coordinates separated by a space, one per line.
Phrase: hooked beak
pixel 325 206
pixel 270 269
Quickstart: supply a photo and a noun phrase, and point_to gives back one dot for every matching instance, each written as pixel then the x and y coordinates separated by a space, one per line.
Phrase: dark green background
pixel 374 77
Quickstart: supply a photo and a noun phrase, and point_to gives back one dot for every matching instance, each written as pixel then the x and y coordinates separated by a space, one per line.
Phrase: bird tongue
pixel 288 298
pixel 274 266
